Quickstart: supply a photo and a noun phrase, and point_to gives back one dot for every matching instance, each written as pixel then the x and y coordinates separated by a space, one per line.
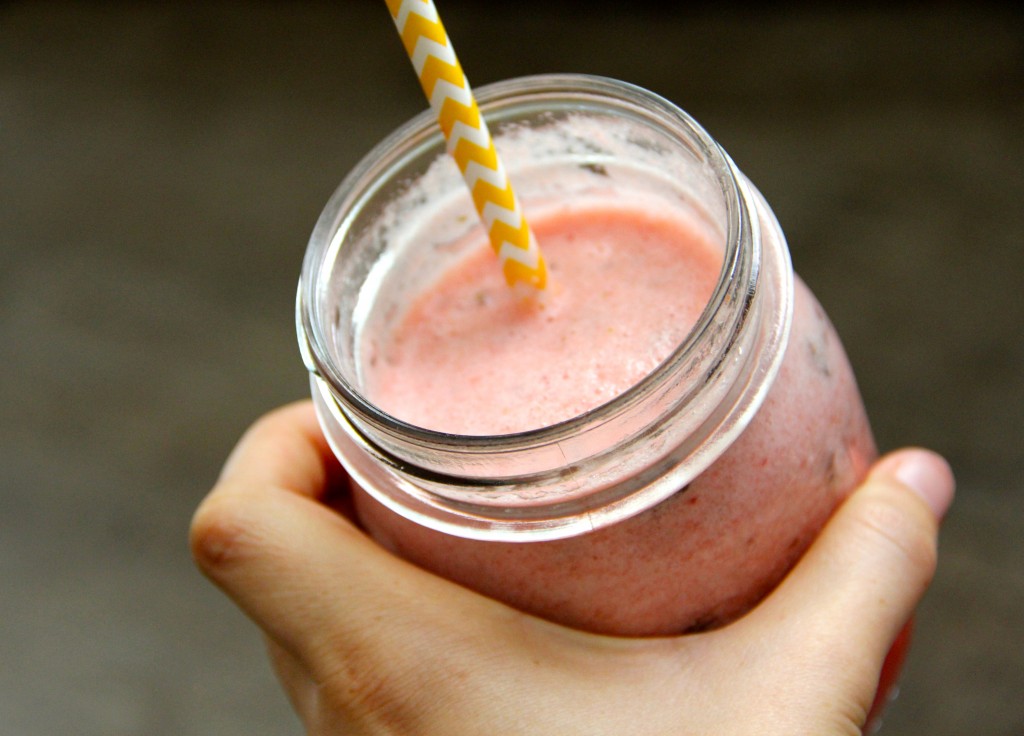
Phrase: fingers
pixel 285 448
pixel 321 589
pixel 847 600
pixel 246 534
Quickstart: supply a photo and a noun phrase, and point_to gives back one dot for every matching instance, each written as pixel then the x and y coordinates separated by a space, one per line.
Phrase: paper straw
pixel 469 141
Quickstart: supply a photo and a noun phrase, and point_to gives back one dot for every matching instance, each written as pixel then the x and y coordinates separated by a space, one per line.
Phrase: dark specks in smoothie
pixel 818 353
pixel 702 624
pixel 595 168
pixel 679 497
pixel 568 471
pixel 830 470
pixel 691 498
pixel 817 342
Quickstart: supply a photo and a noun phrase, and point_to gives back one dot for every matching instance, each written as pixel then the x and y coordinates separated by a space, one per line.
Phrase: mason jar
pixel 674 505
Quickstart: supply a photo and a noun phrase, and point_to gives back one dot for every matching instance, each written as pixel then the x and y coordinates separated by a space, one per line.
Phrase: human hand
pixel 365 643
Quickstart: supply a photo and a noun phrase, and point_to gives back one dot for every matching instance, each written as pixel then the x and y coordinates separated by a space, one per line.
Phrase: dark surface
pixel 161 167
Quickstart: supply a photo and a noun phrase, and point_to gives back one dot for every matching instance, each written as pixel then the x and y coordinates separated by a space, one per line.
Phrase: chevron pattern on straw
pixel 468 139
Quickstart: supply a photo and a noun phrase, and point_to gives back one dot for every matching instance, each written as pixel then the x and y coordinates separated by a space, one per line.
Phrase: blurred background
pixel 162 165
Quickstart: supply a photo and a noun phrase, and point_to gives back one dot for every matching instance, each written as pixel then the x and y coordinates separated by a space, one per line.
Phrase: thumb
pixel 843 605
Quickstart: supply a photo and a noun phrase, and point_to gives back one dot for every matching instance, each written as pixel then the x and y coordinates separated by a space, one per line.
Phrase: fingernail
pixel 926 474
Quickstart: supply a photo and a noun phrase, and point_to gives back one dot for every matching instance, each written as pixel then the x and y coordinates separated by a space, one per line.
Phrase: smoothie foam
pixel 472 356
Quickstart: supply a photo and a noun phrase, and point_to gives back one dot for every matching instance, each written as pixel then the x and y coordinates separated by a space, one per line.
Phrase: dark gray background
pixel 161 166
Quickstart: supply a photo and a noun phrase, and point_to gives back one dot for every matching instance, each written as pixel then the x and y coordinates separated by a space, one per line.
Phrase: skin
pixel 365 643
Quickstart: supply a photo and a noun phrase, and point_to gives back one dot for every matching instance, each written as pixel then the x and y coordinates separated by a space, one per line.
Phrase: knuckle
pixel 217 534
pixel 399 684
pixel 369 694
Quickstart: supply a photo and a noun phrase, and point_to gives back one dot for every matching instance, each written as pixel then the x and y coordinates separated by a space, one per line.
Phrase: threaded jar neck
pixel 618 458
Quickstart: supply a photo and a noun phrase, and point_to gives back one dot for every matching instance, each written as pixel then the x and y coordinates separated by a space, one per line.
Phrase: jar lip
pixel 422 131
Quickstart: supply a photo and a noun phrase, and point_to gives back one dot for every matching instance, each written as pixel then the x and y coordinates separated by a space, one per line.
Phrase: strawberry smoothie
pixel 471 357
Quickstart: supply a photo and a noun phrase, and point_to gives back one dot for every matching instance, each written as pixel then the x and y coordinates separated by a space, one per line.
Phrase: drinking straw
pixel 469 140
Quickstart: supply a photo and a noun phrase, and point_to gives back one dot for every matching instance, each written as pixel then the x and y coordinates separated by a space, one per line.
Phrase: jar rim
pixel 422 131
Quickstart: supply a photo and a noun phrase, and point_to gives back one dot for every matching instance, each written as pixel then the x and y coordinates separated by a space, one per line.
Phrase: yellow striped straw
pixel 469 141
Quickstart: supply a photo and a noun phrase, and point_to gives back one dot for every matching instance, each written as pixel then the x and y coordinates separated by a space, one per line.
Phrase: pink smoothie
pixel 472 357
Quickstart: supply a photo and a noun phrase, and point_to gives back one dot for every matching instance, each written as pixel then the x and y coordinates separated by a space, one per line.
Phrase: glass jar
pixel 676 505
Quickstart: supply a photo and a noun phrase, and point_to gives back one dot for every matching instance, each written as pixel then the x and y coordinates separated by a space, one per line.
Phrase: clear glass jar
pixel 674 506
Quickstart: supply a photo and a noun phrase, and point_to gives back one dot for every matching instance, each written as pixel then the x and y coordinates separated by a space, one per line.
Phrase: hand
pixel 365 643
